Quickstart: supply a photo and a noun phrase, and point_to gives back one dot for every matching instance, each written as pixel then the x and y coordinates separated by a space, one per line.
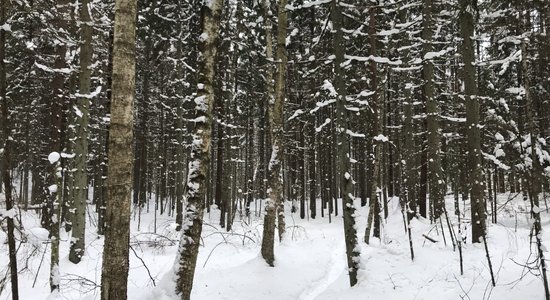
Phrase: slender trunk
pixel 81 146
pixel 376 131
pixel 275 206
pixel 435 175
pixel 346 185
pixel 54 170
pixel 179 138
pixel 220 161
pixel 374 205
pixel 302 164
pixel 312 170
pixel 6 161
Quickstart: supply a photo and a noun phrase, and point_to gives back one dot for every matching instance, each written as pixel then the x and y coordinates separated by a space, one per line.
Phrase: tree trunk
pixel 81 146
pixel 5 168
pixel 376 129
pixel 311 168
pixel 104 157
pixel 276 98
pixel 344 155
pixel 114 275
pixel 276 117
pixel 54 187
pixel 472 120
pixel 408 167
pixel 180 167
pixel 220 199
pixel 436 182
pixel 200 150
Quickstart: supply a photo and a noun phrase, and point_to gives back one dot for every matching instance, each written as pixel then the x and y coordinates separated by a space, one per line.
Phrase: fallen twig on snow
pixel 430 239
pixel 146 268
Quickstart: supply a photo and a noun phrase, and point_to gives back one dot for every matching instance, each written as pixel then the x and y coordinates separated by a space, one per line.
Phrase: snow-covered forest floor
pixel 310 263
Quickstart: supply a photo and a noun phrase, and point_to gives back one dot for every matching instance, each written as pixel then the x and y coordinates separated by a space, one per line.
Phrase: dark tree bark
pixel 274 206
pixel 472 120
pixel 535 173
pixel 220 198
pixel 344 153
pixel 5 167
pixel 54 175
pixel 200 150
pixel 436 181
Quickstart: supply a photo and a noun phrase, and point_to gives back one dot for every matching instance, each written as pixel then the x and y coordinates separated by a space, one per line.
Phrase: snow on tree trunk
pixel 535 172
pixel 436 181
pixel 275 206
pixel 54 176
pixel 200 150
pixel 472 121
pixel 344 154
pixel 5 161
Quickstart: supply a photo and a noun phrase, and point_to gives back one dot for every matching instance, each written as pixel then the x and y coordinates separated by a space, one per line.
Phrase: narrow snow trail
pixel 334 269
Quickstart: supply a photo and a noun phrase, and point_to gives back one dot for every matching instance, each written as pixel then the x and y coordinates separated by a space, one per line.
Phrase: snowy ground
pixel 310 263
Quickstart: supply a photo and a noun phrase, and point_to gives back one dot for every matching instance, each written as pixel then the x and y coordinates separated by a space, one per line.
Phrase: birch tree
pixel 114 274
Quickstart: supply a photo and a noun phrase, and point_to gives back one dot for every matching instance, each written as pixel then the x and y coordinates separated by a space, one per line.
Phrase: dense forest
pixel 120 114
